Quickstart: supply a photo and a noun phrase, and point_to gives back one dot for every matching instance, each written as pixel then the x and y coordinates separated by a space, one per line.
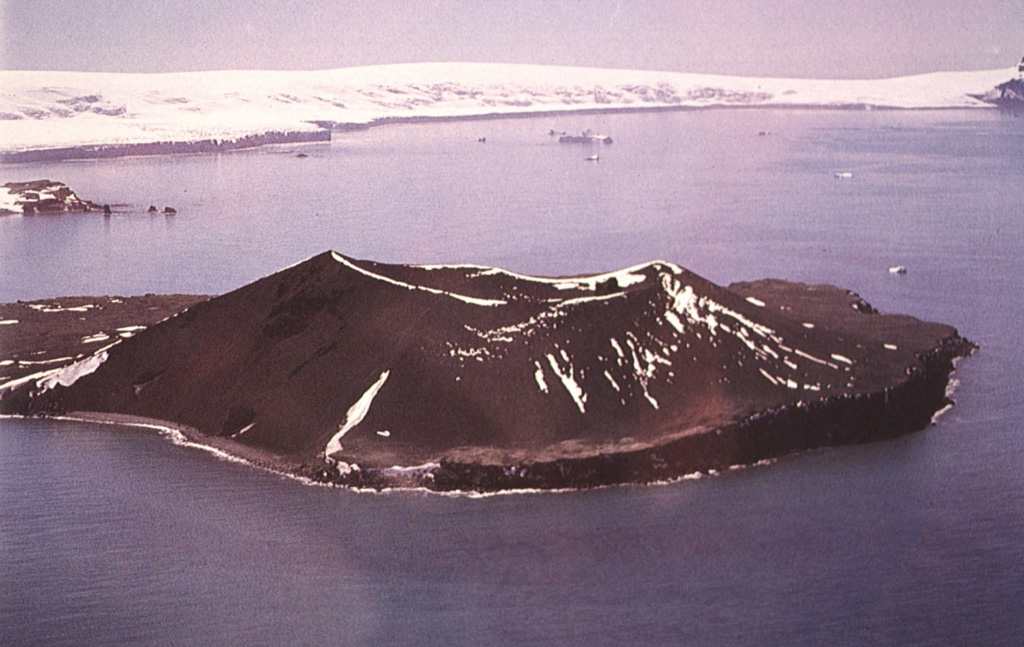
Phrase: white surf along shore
pixel 45 110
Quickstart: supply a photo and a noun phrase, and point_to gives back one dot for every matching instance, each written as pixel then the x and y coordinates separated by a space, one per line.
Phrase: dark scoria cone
pixel 489 380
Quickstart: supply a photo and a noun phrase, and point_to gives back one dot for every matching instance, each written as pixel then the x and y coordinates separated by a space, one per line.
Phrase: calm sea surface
pixel 118 536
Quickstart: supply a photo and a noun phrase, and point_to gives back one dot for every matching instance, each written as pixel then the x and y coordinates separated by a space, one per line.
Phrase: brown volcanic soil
pixel 497 381
pixel 52 332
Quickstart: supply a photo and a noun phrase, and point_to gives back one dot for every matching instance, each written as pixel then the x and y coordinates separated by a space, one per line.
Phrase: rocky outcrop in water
pixel 473 378
pixel 42 196
pixel 1008 95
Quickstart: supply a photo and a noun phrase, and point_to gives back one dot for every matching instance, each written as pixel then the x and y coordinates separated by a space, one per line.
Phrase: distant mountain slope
pixel 73 110
pixel 492 380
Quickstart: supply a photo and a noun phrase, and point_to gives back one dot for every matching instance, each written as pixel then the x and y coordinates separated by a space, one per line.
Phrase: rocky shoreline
pixel 107 151
pixel 791 429
pixel 773 433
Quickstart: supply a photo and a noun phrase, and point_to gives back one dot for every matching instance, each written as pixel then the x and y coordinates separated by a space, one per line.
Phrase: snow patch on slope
pixel 355 415
pixel 409 286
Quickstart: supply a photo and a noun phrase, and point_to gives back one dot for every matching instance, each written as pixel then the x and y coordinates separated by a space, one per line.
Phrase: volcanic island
pixel 469 378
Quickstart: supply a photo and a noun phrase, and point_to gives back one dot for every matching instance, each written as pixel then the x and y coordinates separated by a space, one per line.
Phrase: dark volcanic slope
pixel 36 336
pixel 500 379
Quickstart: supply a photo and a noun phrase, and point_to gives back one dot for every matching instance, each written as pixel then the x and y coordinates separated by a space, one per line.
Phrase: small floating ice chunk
pixel 8 322
pixel 897 269
pixel 807 325
pixel 843 175
pixel 755 301
pixel 890 346
pixel 384 433
pixel 842 358
pixel 98 337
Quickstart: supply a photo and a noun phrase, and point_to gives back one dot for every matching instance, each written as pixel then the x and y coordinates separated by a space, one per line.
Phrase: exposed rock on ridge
pixel 464 377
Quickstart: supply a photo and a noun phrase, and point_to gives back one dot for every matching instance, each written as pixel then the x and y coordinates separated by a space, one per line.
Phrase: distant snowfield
pixel 48 110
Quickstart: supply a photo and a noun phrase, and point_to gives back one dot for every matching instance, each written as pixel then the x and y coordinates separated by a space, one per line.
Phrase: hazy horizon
pixel 826 39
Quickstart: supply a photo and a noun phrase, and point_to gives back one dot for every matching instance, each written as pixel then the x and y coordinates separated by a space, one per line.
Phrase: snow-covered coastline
pixel 139 113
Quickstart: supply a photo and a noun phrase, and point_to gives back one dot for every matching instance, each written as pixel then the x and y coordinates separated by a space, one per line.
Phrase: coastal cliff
pixel 472 378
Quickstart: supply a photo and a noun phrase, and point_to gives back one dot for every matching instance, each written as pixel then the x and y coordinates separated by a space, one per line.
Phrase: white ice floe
pixel 98 337
pixel 842 358
pixel 8 322
pixel 355 414
pixel 897 269
pixel 890 346
pixel 755 301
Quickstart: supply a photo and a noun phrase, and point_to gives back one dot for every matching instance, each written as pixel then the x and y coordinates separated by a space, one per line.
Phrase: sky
pixel 777 38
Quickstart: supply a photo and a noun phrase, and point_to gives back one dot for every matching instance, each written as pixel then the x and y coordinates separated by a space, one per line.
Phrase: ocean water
pixel 111 535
